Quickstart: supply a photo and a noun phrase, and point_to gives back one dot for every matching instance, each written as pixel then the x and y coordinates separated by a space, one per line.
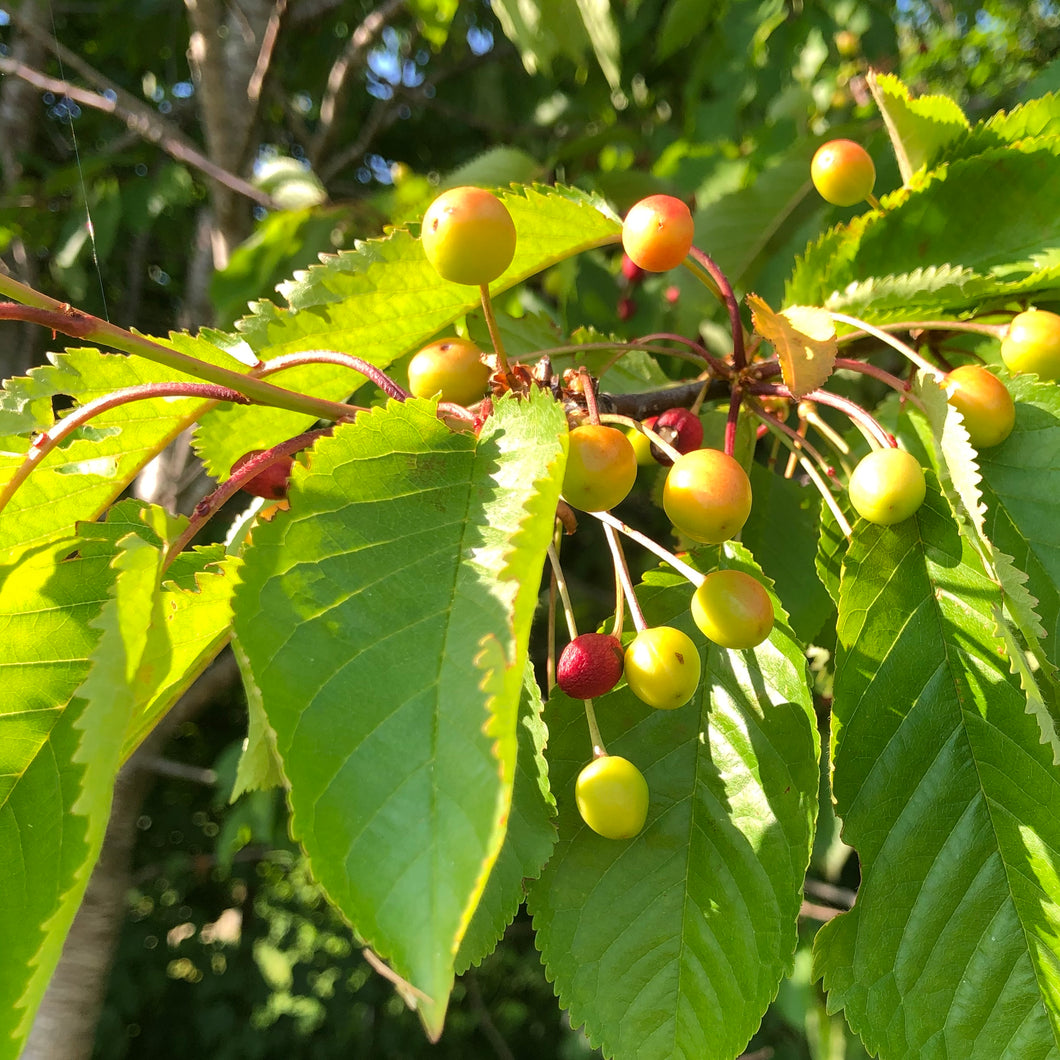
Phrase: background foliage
pixel 722 104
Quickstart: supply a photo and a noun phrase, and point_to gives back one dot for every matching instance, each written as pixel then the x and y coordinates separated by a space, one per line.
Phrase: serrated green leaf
pixel 1017 613
pixel 79 479
pixel 62 742
pixel 919 128
pixel 952 804
pixel 528 842
pixel 672 944
pixel 1036 118
pixel 385 619
pixel 380 301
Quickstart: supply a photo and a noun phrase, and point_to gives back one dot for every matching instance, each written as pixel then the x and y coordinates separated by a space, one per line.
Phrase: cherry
pixel 663 667
pixel 612 797
pixel 887 486
pixel 983 401
pixel 468 235
pixel 843 173
pixel 1032 344
pixel 682 428
pixel 642 444
pixel 707 496
pixel 272 482
pixel 601 468
pixel 452 368
pixel 590 665
pixel 657 233
pixel 631 270
pixel 733 609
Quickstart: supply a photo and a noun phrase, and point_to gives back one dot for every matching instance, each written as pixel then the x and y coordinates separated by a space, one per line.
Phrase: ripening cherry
pixel 984 403
pixel 663 667
pixel 1032 344
pixel 887 486
pixel 468 236
pixel 843 173
pixel 452 368
pixel 590 665
pixel 707 496
pixel 642 444
pixel 733 609
pixel 682 428
pixel 657 233
pixel 270 483
pixel 612 797
pixel 601 468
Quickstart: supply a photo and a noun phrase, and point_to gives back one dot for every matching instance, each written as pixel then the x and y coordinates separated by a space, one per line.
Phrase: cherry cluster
pixel 469 237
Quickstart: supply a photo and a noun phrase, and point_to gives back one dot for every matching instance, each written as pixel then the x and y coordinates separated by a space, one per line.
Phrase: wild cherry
pixel 733 609
pixel 590 665
pixel 657 233
pixel 601 468
pixel 663 667
pixel 612 797
pixel 843 173
pixel 887 486
pixel 984 403
pixel 1032 344
pixel 707 496
pixel 468 235
pixel 452 368
pixel 682 428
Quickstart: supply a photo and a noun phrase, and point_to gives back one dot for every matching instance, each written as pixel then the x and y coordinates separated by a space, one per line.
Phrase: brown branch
pixel 143 121
pixel 353 57
pixel 265 53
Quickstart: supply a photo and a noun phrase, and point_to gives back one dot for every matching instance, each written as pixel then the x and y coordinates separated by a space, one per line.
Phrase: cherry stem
pixel 589 392
pixel 495 335
pixel 624 581
pixel 811 471
pixel 904 349
pixel 206 508
pixel 874 202
pixel 739 355
pixel 715 364
pixel 735 400
pixel 689 572
pixel 345 360
pixel 638 425
pixel 903 386
pixel 37 308
pixel 871 428
pixel 51 438
pixel 572 628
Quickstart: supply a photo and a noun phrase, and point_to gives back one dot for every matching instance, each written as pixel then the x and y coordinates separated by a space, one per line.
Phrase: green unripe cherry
pixel 612 797
pixel 733 609
pixel 1032 344
pixel 601 468
pixel 452 368
pixel 842 172
pixel 707 496
pixel 663 667
pixel 887 486
pixel 468 236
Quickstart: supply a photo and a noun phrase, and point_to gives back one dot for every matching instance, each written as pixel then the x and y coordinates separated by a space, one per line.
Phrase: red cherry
pixel 682 428
pixel 590 665
pixel 271 483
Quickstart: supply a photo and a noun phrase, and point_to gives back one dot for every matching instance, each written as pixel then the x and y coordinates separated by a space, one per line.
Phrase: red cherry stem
pixel 715 364
pixel 61 317
pixel 495 335
pixel 903 348
pixel 735 400
pixel 345 360
pixel 51 438
pixel 679 565
pixel 589 393
pixel 798 439
pixel 739 355
pixel 624 581
pixel 871 428
pixel 206 508
pixel 572 629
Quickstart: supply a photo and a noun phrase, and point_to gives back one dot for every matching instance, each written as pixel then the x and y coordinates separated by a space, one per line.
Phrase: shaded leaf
pixel 672 944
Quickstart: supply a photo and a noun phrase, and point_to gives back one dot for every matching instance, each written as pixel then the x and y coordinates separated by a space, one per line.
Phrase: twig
pixel 141 120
